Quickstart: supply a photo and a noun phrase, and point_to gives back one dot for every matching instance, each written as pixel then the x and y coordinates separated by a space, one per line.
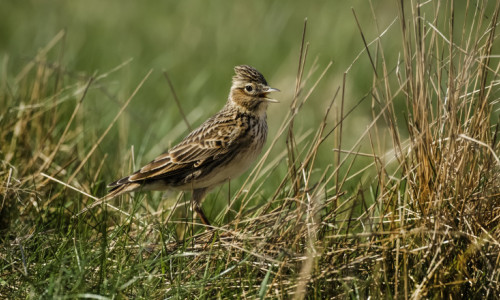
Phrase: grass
pixel 406 207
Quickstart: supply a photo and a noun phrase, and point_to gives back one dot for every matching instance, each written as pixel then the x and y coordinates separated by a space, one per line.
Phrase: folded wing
pixel 204 146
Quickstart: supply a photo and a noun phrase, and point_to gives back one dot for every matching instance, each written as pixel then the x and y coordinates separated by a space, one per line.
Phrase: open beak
pixel 267 91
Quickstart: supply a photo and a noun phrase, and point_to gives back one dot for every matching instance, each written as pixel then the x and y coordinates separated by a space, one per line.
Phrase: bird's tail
pixel 120 189
pixel 115 191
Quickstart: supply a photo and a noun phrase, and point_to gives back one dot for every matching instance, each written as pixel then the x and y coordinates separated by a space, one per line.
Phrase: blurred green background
pixel 198 43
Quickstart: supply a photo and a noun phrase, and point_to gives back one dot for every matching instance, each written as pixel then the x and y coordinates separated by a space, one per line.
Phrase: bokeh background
pixel 198 43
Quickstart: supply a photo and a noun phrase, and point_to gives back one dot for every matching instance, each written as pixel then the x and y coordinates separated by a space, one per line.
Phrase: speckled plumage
pixel 220 149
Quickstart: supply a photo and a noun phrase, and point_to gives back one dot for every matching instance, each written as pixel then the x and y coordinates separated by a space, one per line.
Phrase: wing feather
pixel 205 144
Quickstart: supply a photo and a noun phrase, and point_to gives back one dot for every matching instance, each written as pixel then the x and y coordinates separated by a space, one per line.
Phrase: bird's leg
pixel 198 196
pixel 201 215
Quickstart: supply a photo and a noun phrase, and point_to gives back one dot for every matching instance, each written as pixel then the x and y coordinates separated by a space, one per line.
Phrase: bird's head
pixel 250 89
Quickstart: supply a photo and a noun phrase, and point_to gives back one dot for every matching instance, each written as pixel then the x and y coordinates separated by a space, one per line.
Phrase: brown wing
pixel 212 140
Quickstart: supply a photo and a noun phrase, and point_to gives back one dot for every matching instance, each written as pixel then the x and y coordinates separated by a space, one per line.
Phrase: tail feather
pixel 115 191
pixel 119 182
pixel 122 189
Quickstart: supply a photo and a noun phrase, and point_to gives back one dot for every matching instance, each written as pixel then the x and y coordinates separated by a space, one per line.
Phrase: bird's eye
pixel 248 88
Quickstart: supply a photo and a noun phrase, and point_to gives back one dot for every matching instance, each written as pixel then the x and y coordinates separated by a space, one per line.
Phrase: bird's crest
pixel 248 74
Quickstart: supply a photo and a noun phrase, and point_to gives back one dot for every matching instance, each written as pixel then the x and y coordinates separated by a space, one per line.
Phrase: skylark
pixel 220 149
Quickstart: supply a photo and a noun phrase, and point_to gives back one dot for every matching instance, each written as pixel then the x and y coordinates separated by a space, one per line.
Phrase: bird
pixel 220 149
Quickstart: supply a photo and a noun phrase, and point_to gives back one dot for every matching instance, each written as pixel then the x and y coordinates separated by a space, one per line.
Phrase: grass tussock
pixel 419 219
